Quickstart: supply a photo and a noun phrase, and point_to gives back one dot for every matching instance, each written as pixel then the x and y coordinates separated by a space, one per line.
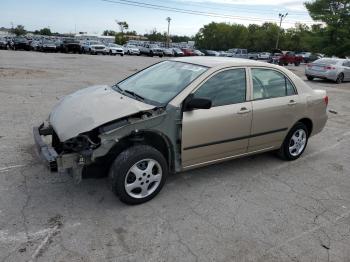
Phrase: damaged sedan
pixel 178 115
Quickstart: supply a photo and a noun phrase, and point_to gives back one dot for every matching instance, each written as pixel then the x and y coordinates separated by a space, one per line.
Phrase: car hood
pixel 89 108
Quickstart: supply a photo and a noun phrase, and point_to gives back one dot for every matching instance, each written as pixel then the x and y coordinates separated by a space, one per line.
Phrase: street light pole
pixel 168 40
pixel 282 17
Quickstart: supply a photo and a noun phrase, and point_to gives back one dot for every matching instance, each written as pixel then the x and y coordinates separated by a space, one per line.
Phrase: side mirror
pixel 196 103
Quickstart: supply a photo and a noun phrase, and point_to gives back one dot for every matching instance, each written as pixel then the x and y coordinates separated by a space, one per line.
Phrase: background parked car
pixel 47 46
pixel 198 53
pixel 70 45
pixel 334 69
pixel 178 52
pixel 94 48
pixel 253 56
pixel 187 52
pixel 20 43
pixel 290 58
pixel 210 53
pixel 151 50
pixel 3 43
pixel 264 55
pixel 131 50
pixel 224 54
pixel 114 49
pixel 168 52
pixel 238 52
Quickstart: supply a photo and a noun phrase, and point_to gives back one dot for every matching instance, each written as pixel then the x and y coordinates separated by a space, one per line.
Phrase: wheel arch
pixel 153 138
pixel 308 123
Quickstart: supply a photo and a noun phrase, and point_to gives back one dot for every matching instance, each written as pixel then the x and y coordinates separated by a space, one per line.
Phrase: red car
pixel 286 58
pixel 188 52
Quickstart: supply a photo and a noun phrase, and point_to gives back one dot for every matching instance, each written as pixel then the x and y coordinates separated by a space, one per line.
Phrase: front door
pixel 210 135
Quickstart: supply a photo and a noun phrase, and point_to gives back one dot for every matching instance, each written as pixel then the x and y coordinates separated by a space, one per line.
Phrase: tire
pixel 138 158
pixel 151 54
pixel 310 78
pixel 128 52
pixel 110 52
pixel 121 54
pixel 161 56
pixel 285 64
pixel 297 63
pixel 340 78
pixel 298 131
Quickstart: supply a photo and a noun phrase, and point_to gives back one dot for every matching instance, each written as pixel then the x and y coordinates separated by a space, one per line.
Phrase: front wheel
pixel 310 78
pixel 138 174
pixel 295 143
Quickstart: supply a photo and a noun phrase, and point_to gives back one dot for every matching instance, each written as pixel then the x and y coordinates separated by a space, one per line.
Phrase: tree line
pixel 331 36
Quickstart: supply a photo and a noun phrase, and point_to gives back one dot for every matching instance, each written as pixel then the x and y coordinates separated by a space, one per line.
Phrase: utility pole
pixel 282 17
pixel 168 40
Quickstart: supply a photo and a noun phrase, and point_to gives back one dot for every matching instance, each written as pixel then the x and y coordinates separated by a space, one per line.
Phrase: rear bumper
pixel 331 75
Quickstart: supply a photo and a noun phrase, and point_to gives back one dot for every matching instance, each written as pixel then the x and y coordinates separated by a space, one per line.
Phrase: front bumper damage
pixel 71 163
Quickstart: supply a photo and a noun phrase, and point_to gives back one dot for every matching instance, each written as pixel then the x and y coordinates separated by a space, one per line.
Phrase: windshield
pixel 161 82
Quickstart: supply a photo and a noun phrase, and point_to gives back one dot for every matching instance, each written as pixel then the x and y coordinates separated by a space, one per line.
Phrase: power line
pixel 240 8
pixel 193 12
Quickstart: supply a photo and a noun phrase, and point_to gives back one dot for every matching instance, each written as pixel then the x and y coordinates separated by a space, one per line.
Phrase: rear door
pixel 214 134
pixel 276 108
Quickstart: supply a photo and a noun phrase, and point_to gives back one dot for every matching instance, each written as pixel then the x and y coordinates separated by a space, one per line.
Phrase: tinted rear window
pixel 326 61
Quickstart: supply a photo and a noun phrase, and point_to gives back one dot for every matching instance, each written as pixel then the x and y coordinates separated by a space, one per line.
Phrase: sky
pixel 95 16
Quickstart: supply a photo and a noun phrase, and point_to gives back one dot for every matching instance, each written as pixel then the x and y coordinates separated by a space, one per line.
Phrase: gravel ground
pixel 253 209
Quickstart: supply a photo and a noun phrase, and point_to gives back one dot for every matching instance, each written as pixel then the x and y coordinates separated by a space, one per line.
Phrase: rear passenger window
pixel 224 88
pixel 269 83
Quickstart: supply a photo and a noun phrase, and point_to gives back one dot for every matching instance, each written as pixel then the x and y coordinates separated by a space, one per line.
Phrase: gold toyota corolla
pixel 178 115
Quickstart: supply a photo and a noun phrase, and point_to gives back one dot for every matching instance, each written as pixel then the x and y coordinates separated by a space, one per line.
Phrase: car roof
pixel 221 61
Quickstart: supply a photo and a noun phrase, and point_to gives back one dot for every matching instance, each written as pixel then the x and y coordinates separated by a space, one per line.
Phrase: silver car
pixel 334 69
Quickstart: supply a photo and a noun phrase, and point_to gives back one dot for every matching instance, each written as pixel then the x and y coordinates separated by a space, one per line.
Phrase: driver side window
pixel 224 88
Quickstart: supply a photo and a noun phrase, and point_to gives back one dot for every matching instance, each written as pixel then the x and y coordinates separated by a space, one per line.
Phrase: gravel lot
pixel 253 209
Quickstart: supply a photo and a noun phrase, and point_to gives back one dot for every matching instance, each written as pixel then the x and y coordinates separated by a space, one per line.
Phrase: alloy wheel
pixel 143 178
pixel 297 142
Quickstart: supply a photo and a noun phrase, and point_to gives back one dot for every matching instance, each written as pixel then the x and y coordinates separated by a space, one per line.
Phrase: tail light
pixel 325 99
pixel 329 67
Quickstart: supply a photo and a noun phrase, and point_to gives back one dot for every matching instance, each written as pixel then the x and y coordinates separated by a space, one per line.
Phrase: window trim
pixel 247 83
pixel 268 68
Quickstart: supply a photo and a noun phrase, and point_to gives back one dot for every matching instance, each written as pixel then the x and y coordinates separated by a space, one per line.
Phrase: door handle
pixel 243 110
pixel 292 102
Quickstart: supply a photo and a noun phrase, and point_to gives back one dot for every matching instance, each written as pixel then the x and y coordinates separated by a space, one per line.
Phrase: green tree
pixel 19 30
pixel 336 15
pixel 109 33
pixel 156 36
pixel 45 31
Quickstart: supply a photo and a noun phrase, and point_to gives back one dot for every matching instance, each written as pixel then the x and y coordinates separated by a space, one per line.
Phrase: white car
pixel 131 50
pixel 114 49
pixel 264 55
pixel 94 48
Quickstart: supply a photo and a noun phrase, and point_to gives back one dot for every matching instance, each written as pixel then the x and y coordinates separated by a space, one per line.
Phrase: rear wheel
pixel 297 63
pixel 138 174
pixel 295 143
pixel 310 78
pixel 340 78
